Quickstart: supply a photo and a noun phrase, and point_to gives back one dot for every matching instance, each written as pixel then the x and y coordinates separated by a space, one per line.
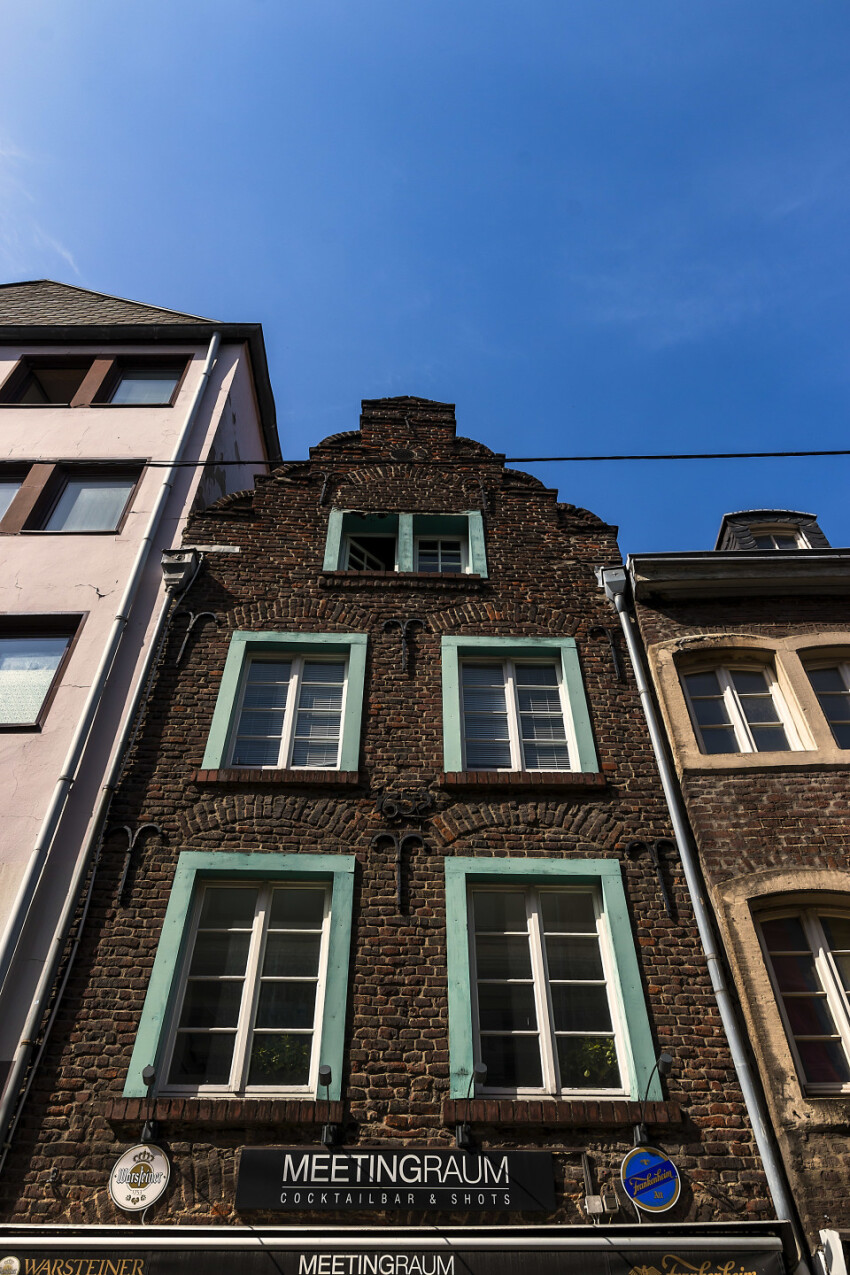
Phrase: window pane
pixel 567 911
pixel 785 934
pixel 371 553
pixel 298 909
pixel 210 1003
pixel 506 1007
pixel 286 1005
pixel 487 756
pixel 265 695
pixel 574 958
pixel 500 910
pixel 711 712
pixel 841 731
pixel 749 683
pixel 318 725
pixel 588 1062
pixel 502 957
pixel 265 724
pixel 537 675
pixel 256 752
pixel 770 739
pixel 280 1059
pixel 53 384
pixel 759 708
pixel 703 684
pixel 512 1062
pixel 27 669
pixel 835 707
pixel 580 1007
pixel 546 756
pixel 228 906
pixel 90 504
pixel 314 754
pixel 809 1015
pixel 824 1061
pixel 721 740
pixel 202 1058
pixel 826 679
pixel 269 670
pixel 8 490
pixel 535 728
pixel 145 385
pixel 296 955
pixel 796 973
pixel 220 954
pixel 837 930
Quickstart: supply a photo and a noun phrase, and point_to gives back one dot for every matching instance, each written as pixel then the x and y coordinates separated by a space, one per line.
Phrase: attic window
pixel 45 382
pixel 778 536
pixel 89 380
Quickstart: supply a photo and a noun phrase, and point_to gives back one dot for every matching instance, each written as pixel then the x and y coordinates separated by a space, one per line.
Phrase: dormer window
pixel 785 536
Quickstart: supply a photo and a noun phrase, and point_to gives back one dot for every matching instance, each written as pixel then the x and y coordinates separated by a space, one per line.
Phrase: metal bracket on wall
pixel 604 631
pixel 656 850
pixel 399 843
pixel 326 483
pixel 405 627
pixel 485 501
pixel 132 838
pixel 194 617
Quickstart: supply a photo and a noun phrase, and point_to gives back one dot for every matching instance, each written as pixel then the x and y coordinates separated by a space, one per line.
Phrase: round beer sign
pixel 139 1178
pixel 650 1179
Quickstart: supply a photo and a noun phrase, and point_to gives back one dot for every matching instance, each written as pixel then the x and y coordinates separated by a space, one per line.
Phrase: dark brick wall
pixel 541 556
pixel 773 821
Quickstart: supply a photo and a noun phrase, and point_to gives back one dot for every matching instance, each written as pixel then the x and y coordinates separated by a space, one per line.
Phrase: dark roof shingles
pixel 43 301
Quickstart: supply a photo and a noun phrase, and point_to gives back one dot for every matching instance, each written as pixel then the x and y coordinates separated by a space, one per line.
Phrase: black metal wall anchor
pixel 485 502
pixel 399 843
pixel 405 805
pixel 194 617
pixel 405 626
pixel 615 654
pixel 656 853
pixel 327 480
pixel 132 838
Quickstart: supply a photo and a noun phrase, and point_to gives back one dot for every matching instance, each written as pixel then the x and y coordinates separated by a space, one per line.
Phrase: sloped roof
pixel 43 301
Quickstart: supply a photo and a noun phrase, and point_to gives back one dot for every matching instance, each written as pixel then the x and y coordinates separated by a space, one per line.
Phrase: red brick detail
pixel 304 778
pixel 561 1112
pixel 222 1113
pixel 501 779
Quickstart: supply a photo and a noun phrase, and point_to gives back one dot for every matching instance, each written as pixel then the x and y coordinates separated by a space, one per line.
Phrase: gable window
pixel 514 704
pixel 739 709
pixel 289 701
pixel 808 955
pixel 430 544
pixel 544 986
pixel 94 380
pixel 33 653
pixel 831 684
pixel 290 713
pixel 248 991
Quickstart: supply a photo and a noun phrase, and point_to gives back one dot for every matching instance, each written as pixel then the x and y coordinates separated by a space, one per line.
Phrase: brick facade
pixel 768 832
pixel 541 556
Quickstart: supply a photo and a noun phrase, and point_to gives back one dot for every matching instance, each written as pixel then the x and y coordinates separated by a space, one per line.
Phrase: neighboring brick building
pixel 748 648
pixel 410 722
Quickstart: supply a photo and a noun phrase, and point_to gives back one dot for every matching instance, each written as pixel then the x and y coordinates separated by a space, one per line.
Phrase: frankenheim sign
pixel 369 1178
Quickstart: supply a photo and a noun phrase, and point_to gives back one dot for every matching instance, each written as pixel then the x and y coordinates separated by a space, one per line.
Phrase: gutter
pixel 615 583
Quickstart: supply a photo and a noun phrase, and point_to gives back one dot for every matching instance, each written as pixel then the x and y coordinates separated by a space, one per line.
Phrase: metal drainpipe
pixel 613 580
pixel 10 1107
pixel 70 768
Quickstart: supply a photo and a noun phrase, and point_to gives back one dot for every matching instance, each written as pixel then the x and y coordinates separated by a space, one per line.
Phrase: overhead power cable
pixel 467 460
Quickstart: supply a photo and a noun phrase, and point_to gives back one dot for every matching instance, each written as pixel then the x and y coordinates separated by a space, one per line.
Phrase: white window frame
pixel 290 716
pixel 508 665
pixel 542 993
pixel 462 540
pixel 237 1086
pixel 830 981
pixel 774 529
pixel 737 718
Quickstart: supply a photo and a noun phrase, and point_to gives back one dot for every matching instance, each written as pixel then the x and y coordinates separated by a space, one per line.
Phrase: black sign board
pixel 372 1178
pixel 671 1260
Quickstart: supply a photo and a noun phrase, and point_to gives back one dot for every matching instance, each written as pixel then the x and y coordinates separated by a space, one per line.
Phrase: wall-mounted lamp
pixel 463 1132
pixel 663 1065
pixel 150 1129
pixel 330 1132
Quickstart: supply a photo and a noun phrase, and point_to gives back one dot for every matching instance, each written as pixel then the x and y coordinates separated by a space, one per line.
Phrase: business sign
pixel 650 1179
pixel 306 1179
pixel 677 1259
pixel 139 1177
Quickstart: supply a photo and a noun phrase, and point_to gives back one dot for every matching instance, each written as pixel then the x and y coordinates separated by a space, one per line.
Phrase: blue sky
pixel 595 225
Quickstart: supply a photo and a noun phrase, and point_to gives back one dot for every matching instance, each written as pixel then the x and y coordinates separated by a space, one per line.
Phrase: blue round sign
pixel 650 1179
